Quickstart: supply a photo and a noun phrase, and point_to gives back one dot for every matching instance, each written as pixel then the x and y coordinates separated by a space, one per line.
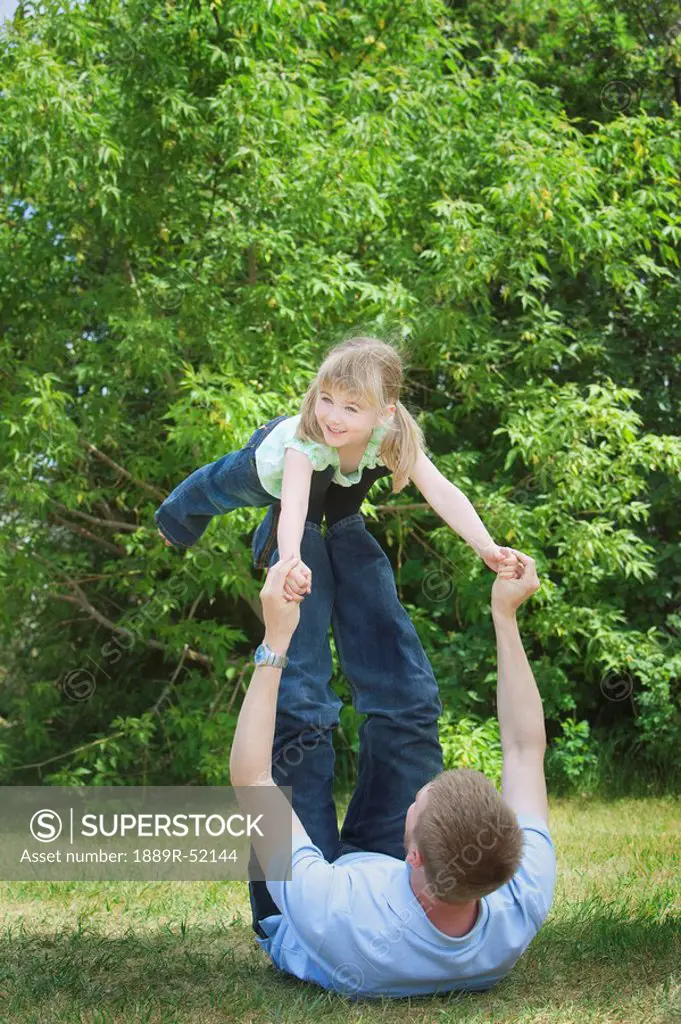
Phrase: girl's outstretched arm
pixel 452 505
pixel 295 498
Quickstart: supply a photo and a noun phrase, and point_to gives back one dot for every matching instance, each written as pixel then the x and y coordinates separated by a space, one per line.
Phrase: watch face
pixel 260 655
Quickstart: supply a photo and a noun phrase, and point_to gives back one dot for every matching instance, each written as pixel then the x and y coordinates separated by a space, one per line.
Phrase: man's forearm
pixel 251 756
pixel 452 505
pixel 519 706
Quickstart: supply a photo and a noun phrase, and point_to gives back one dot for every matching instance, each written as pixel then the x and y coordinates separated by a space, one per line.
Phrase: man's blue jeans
pixel 391 681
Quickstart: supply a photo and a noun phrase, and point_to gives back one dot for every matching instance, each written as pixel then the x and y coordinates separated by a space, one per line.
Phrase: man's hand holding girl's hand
pixel 298 583
pixel 509 592
pixel 279 612
pixel 500 560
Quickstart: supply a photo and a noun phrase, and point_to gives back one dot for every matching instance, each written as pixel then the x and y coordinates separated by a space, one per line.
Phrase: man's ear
pixel 414 857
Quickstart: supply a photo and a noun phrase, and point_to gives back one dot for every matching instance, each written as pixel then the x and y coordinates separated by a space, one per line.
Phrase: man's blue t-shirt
pixel 356 927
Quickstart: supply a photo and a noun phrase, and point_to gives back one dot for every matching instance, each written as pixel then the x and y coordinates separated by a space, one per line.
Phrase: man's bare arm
pixel 519 705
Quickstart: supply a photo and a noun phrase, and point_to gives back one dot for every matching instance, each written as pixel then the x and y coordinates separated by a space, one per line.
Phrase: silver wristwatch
pixel 264 655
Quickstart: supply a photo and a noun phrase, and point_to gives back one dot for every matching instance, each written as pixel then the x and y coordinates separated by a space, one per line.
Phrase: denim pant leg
pixel 230 482
pixel 307 712
pixel 392 683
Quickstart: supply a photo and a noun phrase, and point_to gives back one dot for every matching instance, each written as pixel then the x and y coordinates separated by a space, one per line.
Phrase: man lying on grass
pixel 478 879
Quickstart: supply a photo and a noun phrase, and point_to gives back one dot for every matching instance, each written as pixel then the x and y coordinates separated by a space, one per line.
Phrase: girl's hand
pixel 165 540
pixel 511 569
pixel 298 582
pixel 496 558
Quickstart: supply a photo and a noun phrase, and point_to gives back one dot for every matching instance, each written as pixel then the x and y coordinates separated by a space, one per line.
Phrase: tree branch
pixel 109 576
pixel 168 687
pixel 67 753
pixel 186 652
pixel 116 548
pixel 239 682
pixel 110 523
pixel 82 602
pixel 107 508
pixel 402 508
pixel 94 613
pixel 252 275
pixel 154 491
pixel 132 279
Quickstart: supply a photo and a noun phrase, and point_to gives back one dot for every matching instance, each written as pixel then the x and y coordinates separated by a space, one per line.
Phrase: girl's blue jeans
pixel 230 482
pixel 391 681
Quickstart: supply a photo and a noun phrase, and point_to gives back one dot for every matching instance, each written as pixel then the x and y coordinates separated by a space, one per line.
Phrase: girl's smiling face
pixel 345 420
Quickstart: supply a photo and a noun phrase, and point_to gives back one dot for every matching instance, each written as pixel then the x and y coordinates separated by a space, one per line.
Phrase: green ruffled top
pixel 269 455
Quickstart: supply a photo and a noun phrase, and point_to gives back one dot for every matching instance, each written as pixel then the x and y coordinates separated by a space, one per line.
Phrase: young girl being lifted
pixel 352 428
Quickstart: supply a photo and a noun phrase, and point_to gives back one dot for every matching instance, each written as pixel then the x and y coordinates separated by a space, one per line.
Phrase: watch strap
pixel 272 658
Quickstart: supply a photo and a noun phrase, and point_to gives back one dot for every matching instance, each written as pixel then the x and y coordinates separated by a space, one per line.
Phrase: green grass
pixel 609 953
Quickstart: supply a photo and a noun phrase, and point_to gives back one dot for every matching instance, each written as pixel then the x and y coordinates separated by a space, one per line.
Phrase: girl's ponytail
pixel 401 446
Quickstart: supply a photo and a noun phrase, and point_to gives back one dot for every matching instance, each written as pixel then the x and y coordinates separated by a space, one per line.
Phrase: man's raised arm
pixel 519 706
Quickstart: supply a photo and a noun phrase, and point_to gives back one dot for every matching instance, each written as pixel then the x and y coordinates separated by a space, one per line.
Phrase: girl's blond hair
pixel 368 370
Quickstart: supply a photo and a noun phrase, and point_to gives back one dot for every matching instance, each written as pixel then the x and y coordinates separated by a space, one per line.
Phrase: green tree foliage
pixel 197 200
pixel 601 57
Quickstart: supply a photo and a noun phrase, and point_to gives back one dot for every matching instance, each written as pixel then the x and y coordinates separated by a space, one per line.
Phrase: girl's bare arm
pixel 451 504
pixel 295 498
